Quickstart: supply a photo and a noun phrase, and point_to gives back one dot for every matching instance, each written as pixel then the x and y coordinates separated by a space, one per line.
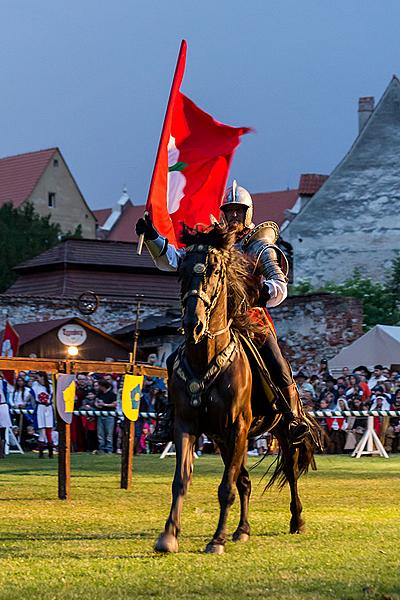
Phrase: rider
pixel 259 243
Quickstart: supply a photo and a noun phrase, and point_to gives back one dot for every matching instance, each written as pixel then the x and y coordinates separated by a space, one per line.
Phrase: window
pixel 51 199
pixel 55 162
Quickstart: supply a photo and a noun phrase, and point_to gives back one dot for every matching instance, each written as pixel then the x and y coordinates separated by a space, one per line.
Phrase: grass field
pixel 100 544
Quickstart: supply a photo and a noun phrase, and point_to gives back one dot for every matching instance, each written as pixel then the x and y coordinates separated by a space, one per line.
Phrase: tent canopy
pixel 380 345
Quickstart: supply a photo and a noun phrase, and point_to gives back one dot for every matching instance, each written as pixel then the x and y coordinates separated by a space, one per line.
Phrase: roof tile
pixel 19 175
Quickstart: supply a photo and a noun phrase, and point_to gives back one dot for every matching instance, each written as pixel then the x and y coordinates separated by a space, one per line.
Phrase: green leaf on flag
pixel 179 166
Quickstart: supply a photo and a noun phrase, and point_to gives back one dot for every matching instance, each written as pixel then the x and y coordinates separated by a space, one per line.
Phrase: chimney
pixel 366 107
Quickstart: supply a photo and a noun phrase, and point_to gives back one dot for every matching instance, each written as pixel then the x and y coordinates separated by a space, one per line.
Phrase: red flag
pixel 9 348
pixel 192 163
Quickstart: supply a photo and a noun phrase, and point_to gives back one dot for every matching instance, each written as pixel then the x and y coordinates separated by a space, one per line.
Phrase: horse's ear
pixel 213 220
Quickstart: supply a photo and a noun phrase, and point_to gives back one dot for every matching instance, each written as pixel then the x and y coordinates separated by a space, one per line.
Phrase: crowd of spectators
pixel 360 389
pixel 36 431
pixel 319 389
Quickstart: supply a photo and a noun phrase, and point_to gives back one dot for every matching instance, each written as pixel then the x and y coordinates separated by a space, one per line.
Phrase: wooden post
pixel 64 459
pixel 128 443
pixel 128 432
pixel 64 449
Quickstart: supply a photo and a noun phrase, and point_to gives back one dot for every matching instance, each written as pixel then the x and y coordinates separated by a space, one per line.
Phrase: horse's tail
pixel 300 456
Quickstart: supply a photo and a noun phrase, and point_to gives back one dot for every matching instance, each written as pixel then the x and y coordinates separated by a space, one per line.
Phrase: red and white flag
pixel 192 163
pixel 9 348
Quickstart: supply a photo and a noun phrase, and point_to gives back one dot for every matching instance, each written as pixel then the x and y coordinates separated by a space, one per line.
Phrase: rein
pixel 195 387
pixel 200 268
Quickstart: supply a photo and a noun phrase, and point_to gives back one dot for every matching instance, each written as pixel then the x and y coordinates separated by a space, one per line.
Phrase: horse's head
pixel 202 273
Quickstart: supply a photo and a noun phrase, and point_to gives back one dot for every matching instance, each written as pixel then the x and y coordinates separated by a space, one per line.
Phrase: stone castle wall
pixel 309 327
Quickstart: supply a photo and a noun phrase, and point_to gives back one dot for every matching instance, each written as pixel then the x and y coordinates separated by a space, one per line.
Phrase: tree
pixel 23 235
pixel 381 301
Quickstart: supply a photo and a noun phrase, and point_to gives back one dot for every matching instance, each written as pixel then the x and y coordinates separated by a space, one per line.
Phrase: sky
pixel 93 76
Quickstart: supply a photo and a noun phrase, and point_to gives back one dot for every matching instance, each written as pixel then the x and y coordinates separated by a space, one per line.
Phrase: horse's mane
pixel 243 287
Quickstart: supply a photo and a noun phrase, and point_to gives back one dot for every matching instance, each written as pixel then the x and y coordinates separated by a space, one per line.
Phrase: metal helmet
pixel 239 196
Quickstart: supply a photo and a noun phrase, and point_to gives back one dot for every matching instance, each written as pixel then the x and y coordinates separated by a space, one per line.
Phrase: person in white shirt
pixel 43 391
pixel 5 420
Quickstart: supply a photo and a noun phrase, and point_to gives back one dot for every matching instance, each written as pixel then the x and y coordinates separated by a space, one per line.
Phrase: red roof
pixel 19 175
pixel 102 215
pixel 268 206
pixel 271 206
pixel 310 183
pixel 124 228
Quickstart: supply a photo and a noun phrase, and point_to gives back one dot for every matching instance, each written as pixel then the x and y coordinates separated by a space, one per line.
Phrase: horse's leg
pixel 243 485
pixel 291 457
pixel 232 451
pixel 184 445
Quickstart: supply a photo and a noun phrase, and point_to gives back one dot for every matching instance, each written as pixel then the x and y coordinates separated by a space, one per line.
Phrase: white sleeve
pixel 165 256
pixel 277 291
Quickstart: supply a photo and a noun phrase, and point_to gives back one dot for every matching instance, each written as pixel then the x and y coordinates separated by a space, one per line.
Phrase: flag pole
pixel 176 81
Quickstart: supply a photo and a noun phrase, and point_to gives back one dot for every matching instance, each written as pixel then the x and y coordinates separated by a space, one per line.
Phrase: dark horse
pixel 211 384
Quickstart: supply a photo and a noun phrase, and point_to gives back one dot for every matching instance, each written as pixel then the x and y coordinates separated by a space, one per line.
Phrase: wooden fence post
pixel 64 459
pixel 128 443
pixel 64 449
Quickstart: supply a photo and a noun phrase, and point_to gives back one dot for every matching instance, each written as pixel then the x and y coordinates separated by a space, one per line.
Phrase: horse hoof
pixel 300 529
pixel 212 548
pixel 166 543
pixel 240 536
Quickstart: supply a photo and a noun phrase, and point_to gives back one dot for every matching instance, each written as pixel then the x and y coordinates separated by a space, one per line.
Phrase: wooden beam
pixel 54 365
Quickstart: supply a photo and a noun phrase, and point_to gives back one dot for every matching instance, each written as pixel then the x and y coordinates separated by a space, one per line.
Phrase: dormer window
pixel 51 199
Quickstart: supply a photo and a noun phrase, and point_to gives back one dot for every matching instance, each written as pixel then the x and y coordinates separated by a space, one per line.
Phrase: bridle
pixel 200 270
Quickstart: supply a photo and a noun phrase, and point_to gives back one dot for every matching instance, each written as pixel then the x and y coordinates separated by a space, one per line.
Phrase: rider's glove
pixel 146 227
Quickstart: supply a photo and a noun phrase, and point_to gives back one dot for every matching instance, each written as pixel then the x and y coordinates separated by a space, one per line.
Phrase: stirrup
pixel 298 430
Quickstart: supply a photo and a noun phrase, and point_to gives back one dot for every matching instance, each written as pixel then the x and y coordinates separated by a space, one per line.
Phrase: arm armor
pixel 269 261
pixel 165 256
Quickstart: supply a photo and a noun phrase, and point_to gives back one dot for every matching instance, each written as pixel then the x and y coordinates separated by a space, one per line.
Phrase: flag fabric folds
pixel 192 163
pixel 131 392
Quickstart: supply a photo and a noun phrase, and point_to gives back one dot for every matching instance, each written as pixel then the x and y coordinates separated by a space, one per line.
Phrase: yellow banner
pixel 131 396
pixel 69 397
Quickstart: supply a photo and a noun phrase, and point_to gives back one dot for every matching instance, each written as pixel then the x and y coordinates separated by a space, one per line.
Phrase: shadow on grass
pixel 54 537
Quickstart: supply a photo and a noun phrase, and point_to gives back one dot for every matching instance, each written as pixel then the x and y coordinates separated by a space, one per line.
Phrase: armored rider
pixel 271 264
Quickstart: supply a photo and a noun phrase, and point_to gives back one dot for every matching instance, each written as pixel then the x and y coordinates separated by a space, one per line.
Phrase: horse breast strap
pixel 194 386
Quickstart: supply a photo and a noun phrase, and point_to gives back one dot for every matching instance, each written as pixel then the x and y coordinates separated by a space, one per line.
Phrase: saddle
pixel 264 393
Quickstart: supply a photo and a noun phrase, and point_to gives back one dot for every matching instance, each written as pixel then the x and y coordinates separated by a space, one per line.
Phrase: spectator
pixel 44 412
pixel 330 387
pixel 323 371
pixel 77 428
pixel 106 401
pixel 22 397
pixel 392 435
pixel 303 385
pixel 377 376
pixel 5 420
pixel 89 422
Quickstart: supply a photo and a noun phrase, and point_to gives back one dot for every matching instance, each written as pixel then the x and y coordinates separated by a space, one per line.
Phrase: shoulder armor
pixel 267 232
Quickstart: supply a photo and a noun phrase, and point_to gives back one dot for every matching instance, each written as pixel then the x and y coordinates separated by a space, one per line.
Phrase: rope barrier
pixel 152 415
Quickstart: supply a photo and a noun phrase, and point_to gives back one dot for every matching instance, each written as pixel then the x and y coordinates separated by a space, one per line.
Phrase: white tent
pixel 380 345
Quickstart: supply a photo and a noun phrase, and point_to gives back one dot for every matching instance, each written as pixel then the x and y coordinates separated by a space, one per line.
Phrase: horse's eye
pixel 217 272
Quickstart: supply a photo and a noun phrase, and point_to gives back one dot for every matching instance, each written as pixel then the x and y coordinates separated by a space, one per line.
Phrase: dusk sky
pixel 92 77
